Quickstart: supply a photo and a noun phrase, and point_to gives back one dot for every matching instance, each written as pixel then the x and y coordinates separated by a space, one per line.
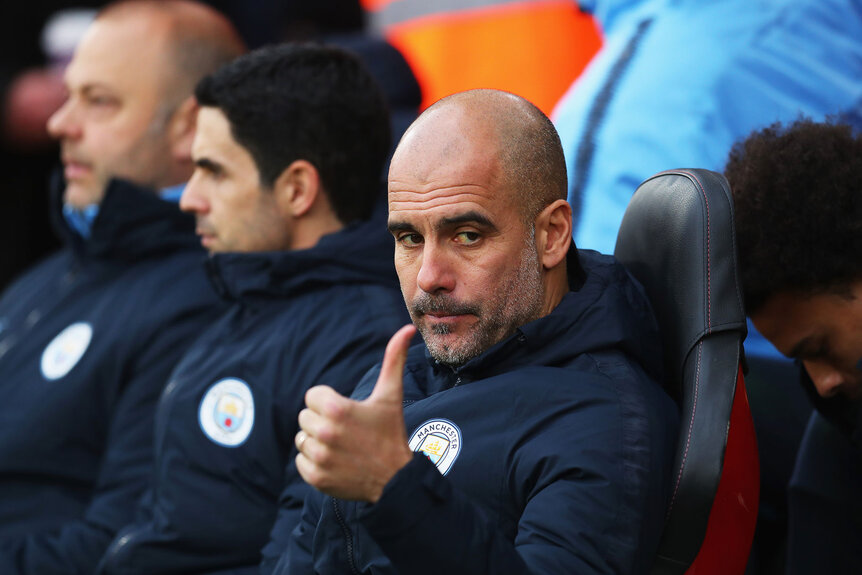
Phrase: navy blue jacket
pixel 88 339
pixel 225 425
pixel 824 497
pixel 556 445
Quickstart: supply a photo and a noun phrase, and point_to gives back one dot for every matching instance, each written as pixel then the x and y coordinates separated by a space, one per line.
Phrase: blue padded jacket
pixel 550 453
pixel 87 341
pixel 226 422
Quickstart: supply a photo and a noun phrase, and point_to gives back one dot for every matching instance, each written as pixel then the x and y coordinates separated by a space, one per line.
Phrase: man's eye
pixel 101 100
pixel 214 173
pixel 819 352
pixel 467 238
pixel 410 240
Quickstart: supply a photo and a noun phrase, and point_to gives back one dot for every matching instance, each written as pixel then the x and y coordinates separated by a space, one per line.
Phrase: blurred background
pixel 634 87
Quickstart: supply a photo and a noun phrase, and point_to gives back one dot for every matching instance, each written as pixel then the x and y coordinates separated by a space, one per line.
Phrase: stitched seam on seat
pixel 696 180
pixel 708 264
pixel 688 435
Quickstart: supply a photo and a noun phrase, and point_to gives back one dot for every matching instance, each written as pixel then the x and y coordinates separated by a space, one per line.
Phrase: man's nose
pixel 192 199
pixel 827 380
pixel 63 123
pixel 436 271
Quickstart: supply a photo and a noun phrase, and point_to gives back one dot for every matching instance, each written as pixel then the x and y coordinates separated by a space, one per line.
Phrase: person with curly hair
pixel 798 204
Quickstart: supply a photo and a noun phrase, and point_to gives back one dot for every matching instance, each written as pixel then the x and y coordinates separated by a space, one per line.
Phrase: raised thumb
pixel 390 382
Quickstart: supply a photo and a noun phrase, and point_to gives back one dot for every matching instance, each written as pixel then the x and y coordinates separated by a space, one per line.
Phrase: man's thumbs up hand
pixel 351 449
pixel 390 382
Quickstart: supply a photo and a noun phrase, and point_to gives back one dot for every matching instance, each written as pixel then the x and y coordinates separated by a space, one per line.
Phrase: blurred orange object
pixel 532 48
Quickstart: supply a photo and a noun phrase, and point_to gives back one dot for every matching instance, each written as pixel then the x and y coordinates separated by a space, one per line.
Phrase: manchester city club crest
pixel 65 350
pixel 226 413
pixel 440 441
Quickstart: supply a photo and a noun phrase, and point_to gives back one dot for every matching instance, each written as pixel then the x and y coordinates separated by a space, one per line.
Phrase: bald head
pixel 505 132
pixel 194 39
pixel 130 113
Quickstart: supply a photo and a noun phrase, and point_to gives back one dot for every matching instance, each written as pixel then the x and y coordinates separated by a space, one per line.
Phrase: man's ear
pixel 181 129
pixel 554 233
pixel 297 189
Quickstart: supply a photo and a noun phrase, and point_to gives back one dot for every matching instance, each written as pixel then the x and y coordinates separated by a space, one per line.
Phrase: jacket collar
pixel 133 223
pixel 361 253
pixel 605 309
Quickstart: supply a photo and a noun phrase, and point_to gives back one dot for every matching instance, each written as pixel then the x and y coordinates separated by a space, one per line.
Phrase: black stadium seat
pixel 677 239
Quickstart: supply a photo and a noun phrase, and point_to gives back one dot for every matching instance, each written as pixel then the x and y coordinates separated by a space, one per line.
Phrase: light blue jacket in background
pixel 677 82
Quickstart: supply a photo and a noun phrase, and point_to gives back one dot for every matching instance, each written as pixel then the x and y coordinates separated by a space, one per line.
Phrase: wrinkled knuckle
pixel 327 433
pixel 323 457
pixel 336 410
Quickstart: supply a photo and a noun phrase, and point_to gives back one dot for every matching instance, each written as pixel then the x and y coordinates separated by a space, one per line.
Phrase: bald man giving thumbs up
pixel 527 433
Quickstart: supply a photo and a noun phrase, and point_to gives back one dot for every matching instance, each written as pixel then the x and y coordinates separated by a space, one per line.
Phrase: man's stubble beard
pixel 521 300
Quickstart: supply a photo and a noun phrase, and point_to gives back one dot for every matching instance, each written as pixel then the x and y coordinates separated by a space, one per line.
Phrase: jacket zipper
pixel 347 536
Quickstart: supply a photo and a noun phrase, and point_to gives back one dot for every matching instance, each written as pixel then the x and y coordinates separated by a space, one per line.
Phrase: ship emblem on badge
pixel 226 413
pixel 65 350
pixel 440 441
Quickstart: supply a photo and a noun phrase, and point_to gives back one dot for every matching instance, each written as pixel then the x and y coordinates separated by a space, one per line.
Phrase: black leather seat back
pixel 677 239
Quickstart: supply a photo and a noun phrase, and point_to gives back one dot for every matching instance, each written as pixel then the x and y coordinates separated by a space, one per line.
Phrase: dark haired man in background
pixel 798 207
pixel 290 146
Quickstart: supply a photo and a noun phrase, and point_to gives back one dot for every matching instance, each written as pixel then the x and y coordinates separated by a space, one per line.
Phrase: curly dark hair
pixel 313 102
pixel 797 192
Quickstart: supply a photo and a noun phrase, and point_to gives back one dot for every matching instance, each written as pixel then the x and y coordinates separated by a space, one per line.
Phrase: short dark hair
pixel 797 192
pixel 312 102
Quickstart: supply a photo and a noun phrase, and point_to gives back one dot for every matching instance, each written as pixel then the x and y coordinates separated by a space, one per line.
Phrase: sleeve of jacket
pixel 125 469
pixel 419 502
pixel 465 541
pixel 591 489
